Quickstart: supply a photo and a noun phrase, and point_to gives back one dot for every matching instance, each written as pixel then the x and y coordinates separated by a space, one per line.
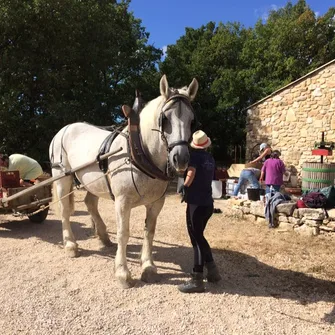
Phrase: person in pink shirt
pixel 273 170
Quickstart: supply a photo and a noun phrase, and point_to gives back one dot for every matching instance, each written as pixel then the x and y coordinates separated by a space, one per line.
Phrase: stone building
pixel 292 118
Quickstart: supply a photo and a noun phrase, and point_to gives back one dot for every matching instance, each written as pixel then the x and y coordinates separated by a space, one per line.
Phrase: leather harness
pixel 135 145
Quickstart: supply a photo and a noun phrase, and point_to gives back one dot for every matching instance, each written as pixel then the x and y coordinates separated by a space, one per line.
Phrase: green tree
pixel 291 43
pixel 66 61
pixel 236 66
pixel 211 54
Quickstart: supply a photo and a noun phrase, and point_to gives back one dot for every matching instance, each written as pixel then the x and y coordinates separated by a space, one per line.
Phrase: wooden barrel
pixel 317 175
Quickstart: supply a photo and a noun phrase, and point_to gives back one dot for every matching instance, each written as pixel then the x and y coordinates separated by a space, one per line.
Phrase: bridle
pixel 138 155
pixel 176 97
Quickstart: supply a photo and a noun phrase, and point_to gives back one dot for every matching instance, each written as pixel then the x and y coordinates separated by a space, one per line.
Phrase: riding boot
pixel 213 274
pixel 195 285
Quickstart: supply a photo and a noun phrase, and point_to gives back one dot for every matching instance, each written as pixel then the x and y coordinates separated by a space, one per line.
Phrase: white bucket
pixel 231 184
pixel 216 189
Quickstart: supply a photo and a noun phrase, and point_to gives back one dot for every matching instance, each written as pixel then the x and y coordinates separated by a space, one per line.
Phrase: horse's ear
pixel 126 110
pixel 193 89
pixel 164 87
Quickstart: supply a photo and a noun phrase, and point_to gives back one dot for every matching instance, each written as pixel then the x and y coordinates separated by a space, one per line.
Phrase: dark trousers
pixel 197 218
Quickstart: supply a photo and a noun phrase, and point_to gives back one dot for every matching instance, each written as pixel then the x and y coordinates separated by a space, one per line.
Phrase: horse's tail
pixel 56 200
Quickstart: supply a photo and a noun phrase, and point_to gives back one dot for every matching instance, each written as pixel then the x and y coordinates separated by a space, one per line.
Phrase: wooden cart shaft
pixel 6 200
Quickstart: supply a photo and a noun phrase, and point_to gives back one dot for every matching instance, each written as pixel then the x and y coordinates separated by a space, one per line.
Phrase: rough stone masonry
pixel 288 218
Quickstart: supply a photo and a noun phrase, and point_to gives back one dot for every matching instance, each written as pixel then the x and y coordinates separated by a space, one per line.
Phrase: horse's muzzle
pixel 179 158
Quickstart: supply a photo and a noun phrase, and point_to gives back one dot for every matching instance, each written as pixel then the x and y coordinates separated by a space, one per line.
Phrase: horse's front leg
pixel 99 226
pixel 149 270
pixel 122 272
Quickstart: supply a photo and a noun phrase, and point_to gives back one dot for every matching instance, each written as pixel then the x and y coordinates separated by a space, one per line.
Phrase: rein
pixel 139 158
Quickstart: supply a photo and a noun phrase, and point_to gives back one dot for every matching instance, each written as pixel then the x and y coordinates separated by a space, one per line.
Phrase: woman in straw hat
pixel 197 193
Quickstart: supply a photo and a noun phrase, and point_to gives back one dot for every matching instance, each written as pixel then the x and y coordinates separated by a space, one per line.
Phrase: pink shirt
pixel 274 168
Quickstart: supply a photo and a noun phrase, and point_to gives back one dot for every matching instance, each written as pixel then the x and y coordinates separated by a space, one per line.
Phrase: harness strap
pixel 139 158
pixel 103 164
pixel 104 147
pixel 60 163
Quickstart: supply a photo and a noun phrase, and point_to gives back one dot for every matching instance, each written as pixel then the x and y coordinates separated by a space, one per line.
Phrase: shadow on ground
pixel 242 273
pixel 49 231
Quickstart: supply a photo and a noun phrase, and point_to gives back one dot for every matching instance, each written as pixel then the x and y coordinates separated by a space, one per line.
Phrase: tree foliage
pixel 72 60
pixel 64 61
pixel 237 66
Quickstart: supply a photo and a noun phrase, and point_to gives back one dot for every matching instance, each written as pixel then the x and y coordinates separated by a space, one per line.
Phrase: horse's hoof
pixel 150 275
pixel 124 277
pixel 106 242
pixel 124 284
pixel 72 252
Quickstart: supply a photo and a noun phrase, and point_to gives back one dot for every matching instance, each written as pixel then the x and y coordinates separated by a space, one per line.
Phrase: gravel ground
pixel 273 283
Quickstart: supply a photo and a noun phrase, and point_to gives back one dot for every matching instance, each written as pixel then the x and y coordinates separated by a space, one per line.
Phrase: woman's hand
pixel 183 191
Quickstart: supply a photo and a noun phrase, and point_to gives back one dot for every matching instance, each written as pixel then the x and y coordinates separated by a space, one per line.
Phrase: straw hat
pixel 200 140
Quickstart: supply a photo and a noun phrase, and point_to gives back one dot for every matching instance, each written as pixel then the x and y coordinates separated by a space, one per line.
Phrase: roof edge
pixel 290 84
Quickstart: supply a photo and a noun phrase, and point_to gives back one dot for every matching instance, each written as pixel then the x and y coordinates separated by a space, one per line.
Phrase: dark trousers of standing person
pixel 197 218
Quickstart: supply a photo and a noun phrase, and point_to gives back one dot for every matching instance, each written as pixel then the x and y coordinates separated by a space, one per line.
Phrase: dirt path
pixel 273 283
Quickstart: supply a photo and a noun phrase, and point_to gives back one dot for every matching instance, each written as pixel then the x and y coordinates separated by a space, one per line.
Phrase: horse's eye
pixel 163 120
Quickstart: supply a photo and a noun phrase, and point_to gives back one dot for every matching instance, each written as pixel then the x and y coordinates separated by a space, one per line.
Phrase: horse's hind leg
pixel 63 187
pixel 99 226
pixel 149 270
pixel 122 272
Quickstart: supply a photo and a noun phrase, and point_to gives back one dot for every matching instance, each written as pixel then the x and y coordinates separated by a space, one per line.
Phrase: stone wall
pixel 288 218
pixel 292 118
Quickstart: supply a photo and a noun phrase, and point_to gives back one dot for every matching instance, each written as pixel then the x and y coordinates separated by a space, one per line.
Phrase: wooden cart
pixel 18 202
pixel 33 200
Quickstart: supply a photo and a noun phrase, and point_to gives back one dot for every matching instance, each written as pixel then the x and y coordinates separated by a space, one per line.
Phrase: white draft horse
pixel 165 126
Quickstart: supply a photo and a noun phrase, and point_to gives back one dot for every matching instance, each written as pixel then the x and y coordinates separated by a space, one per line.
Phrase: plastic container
pixel 254 194
pixel 230 186
pixel 216 189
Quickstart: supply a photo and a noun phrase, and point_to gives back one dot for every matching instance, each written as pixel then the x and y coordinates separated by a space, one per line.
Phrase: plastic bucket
pixel 230 185
pixel 216 189
pixel 254 194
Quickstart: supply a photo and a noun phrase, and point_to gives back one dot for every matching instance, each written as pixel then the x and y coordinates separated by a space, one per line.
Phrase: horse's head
pixel 176 122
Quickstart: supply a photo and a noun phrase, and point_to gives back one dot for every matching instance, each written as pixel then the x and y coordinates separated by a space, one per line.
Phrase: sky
pixel 166 20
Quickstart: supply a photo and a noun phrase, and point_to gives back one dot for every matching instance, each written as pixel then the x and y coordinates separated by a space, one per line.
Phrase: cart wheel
pixel 40 216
